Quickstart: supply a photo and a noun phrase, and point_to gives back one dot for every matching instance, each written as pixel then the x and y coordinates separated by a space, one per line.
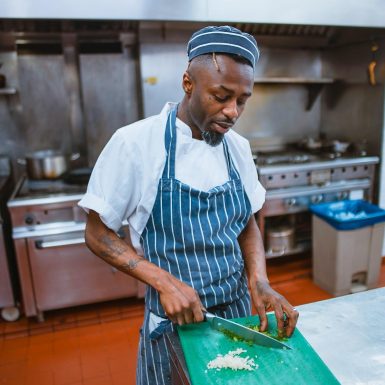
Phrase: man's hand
pixel 180 302
pixel 265 298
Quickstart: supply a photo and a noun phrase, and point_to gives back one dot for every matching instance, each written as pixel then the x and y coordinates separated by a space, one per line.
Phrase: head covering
pixel 223 39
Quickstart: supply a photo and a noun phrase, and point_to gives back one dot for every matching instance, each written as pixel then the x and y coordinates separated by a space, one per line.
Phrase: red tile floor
pixel 96 344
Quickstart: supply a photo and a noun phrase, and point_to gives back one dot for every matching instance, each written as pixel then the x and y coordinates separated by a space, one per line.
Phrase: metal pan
pixel 47 164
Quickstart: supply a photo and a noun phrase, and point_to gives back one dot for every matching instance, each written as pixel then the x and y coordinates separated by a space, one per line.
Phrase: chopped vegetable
pixel 232 360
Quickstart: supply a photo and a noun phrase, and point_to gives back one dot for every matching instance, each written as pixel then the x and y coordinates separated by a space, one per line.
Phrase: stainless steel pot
pixel 47 164
pixel 280 239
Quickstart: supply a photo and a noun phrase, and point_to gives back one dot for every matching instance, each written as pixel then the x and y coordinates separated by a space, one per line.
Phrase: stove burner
pixel 44 188
pixel 270 159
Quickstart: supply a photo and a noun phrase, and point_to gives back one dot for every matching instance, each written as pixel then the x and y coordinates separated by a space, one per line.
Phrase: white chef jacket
pixel 124 181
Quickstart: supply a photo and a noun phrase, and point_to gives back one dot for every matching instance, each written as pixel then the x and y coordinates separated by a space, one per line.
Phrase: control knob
pixel 316 199
pixel 342 195
pixel 29 219
pixel 291 202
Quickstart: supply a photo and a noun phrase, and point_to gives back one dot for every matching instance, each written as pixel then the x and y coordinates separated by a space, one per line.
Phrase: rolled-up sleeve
pixel 254 189
pixel 112 191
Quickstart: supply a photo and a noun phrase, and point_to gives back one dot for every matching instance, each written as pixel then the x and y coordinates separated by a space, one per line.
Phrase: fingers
pixel 291 320
pixel 260 307
pixel 279 315
pixel 286 316
pixel 182 305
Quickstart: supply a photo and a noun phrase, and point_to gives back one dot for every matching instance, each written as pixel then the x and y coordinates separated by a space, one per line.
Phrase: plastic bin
pixel 347 245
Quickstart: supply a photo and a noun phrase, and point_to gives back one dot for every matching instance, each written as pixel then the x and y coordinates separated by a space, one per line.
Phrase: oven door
pixel 65 273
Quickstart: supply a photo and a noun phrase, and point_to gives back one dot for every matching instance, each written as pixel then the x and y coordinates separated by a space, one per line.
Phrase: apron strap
pixel 170 146
pixel 233 173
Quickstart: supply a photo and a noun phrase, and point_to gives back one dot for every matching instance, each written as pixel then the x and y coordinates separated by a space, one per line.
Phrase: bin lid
pixel 349 214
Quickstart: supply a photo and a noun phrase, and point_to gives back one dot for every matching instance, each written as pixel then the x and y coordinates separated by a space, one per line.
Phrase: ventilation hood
pixel 368 13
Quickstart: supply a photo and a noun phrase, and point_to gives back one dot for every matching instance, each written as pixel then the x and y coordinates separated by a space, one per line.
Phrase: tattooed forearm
pixel 132 264
pixel 114 248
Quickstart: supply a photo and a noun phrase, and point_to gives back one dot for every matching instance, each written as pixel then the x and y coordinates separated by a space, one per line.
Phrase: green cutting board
pixel 300 365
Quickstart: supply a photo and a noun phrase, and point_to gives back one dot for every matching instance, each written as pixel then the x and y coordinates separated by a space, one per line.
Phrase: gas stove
pixel 28 188
pixel 295 179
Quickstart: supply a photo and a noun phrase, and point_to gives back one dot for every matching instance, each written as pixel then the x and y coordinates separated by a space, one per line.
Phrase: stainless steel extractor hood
pixel 369 13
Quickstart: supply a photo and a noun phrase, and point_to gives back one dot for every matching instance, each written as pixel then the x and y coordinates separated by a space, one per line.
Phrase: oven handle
pixel 40 244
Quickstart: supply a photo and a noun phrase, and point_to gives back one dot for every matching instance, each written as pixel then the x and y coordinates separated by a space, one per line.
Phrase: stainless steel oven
pixel 56 268
pixel 296 179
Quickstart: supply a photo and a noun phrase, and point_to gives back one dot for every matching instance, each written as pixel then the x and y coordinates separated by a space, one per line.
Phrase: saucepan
pixel 280 239
pixel 47 164
pixel 338 146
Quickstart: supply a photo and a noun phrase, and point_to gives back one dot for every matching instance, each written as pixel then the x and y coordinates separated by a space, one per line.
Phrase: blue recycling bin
pixel 349 214
pixel 347 243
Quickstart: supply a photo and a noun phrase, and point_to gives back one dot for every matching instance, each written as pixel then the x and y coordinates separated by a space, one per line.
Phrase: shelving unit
pixel 313 85
pixel 301 247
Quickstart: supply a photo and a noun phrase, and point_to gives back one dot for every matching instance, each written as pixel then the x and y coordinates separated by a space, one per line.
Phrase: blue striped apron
pixel 193 235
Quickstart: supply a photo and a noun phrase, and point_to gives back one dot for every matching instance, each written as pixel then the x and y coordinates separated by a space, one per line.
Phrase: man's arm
pixel 263 296
pixel 180 301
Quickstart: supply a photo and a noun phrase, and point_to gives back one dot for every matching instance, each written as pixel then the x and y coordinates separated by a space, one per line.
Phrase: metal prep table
pixel 347 332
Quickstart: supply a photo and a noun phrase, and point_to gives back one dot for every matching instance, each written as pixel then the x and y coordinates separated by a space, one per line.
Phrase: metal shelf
pixel 293 80
pixel 8 91
pixel 313 85
pixel 300 248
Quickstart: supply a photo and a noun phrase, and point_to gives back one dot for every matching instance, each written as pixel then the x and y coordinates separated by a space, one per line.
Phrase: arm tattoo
pixel 132 264
pixel 114 249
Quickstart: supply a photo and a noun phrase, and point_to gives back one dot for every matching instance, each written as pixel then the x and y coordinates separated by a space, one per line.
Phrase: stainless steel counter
pixel 348 333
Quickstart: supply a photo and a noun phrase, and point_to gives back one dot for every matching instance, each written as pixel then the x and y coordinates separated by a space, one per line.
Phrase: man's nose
pixel 231 111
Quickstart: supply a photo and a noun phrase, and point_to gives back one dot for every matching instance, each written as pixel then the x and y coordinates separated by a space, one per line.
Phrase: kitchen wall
pixel 118 86
pixel 275 114
pixel 353 109
pixel 66 104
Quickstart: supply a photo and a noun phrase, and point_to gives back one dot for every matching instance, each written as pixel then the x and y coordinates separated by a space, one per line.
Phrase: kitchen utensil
pixel 310 144
pixel 280 239
pixel 339 146
pixel 299 366
pixel 47 164
pixel 232 328
pixel 372 65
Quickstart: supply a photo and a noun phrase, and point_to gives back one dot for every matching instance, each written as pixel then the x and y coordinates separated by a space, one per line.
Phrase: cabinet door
pixel 65 273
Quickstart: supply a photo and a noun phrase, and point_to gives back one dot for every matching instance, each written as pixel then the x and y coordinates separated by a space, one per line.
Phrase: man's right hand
pixel 180 302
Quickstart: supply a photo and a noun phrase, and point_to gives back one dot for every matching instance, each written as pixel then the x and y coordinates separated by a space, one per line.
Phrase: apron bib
pixel 193 234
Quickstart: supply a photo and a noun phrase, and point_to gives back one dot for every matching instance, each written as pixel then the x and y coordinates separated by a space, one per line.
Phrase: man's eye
pixel 220 99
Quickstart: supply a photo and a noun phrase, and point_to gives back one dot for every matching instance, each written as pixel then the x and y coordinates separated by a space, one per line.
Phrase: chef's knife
pixel 225 325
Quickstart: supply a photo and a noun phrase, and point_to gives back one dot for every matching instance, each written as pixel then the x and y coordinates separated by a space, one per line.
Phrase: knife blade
pixel 225 325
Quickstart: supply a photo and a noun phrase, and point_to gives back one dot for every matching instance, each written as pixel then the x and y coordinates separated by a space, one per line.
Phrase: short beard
pixel 212 138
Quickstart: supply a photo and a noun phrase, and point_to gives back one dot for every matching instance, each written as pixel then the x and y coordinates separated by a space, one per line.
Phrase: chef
pixel 187 185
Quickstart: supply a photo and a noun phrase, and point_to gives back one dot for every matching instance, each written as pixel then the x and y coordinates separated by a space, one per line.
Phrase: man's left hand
pixel 264 299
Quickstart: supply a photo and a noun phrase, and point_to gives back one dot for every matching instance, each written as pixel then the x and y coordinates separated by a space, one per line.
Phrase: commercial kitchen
pixel 72 73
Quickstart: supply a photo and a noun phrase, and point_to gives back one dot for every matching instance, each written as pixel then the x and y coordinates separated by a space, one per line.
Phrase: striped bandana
pixel 224 39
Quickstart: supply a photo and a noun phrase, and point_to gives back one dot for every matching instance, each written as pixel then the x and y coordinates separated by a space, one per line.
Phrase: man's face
pixel 216 99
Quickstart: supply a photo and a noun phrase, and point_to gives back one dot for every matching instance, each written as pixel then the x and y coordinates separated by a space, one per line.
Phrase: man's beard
pixel 212 138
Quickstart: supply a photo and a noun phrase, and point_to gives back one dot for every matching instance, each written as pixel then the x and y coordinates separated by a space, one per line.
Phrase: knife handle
pixel 208 316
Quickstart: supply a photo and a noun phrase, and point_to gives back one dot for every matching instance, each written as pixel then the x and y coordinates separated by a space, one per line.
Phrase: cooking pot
pixel 280 239
pixel 47 164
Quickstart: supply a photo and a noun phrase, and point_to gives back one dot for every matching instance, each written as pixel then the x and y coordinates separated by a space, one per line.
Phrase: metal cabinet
pixel 65 273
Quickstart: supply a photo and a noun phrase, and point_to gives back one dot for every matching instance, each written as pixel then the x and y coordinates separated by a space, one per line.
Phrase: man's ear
pixel 187 83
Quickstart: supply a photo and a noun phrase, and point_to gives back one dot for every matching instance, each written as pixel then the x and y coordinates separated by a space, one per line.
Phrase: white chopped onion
pixel 232 360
